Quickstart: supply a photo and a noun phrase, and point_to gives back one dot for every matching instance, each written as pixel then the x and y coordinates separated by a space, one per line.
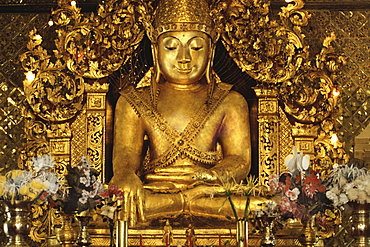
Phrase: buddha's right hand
pixel 133 198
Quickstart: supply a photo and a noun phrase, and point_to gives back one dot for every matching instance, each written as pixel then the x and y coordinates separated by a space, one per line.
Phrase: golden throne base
pixel 204 237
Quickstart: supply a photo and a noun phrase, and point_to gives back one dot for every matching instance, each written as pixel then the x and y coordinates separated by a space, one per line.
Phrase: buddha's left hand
pixel 206 175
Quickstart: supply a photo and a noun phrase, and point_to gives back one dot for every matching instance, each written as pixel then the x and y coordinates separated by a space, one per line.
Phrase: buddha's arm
pixel 235 140
pixel 128 142
pixel 128 139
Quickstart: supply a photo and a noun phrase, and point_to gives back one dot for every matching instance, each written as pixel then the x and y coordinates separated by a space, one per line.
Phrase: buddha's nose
pixel 183 55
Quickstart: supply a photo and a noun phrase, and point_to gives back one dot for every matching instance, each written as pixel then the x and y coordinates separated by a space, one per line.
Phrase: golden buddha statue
pixel 196 127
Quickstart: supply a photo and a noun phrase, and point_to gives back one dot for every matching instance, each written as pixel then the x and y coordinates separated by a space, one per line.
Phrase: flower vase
pixel 308 235
pixel 242 233
pixel 360 227
pixel 66 235
pixel 268 238
pixel 83 238
pixel 16 225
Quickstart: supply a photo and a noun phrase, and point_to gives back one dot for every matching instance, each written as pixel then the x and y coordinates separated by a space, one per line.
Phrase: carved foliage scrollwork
pixel 310 96
pixel 268 51
pixel 35 135
pixel 51 92
pixel 97 45
pixel 95 139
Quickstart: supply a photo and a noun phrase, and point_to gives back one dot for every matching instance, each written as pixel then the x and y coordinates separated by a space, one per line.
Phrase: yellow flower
pixel 32 190
pixel 15 173
pixel 37 185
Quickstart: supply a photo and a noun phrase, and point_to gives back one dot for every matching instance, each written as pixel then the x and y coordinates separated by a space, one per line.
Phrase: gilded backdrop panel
pixel 14 30
pixel 350 27
pixel 352 31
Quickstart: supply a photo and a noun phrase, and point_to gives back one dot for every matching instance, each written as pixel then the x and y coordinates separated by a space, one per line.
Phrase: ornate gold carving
pixel 39 221
pixel 268 120
pixel 53 95
pixel 175 15
pixel 329 150
pixel 97 45
pixel 95 139
pixel 270 52
pixel 79 140
pixel 304 136
pixel 94 46
pixel 96 101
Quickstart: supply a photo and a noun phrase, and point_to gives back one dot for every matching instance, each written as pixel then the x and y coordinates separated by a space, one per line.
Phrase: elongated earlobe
pixel 209 70
pixel 157 73
pixel 155 76
pixel 209 74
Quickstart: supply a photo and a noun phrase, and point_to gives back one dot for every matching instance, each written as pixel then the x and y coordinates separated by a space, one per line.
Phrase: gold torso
pixel 182 131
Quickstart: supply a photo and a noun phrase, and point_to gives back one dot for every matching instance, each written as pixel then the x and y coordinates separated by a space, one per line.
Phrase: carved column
pixel 268 121
pixel 275 136
pixel 89 127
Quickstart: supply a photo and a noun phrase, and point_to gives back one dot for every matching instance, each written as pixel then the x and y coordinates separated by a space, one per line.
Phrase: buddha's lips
pixel 183 70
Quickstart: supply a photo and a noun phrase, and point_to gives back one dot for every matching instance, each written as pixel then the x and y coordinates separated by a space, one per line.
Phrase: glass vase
pixel 242 233
pixel 360 228
pixel 308 235
pixel 16 225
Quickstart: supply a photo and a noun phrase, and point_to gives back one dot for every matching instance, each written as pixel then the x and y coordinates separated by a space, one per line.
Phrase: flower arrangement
pixel 29 185
pixel 349 183
pixel 84 188
pixel 301 189
pixel 232 188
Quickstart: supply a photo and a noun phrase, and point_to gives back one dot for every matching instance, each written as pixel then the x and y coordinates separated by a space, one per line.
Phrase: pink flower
pixel 297 210
pixel 285 205
pixel 310 190
pixel 274 182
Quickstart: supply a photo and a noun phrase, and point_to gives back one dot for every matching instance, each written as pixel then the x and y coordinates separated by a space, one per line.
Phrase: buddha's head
pixel 183 41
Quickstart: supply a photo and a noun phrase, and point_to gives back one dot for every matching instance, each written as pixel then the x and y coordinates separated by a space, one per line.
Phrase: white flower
pixel 108 211
pixel 293 194
pixel 97 185
pixel 83 200
pixel 85 181
pixel 85 193
pixel 40 163
pixel 84 163
pixel 93 193
pixel 343 199
pixel 297 161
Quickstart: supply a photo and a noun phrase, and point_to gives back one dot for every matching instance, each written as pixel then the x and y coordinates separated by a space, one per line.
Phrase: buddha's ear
pixel 155 76
pixel 210 63
pixel 157 72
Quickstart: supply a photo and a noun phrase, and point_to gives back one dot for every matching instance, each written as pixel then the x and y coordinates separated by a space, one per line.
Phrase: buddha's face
pixel 183 56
